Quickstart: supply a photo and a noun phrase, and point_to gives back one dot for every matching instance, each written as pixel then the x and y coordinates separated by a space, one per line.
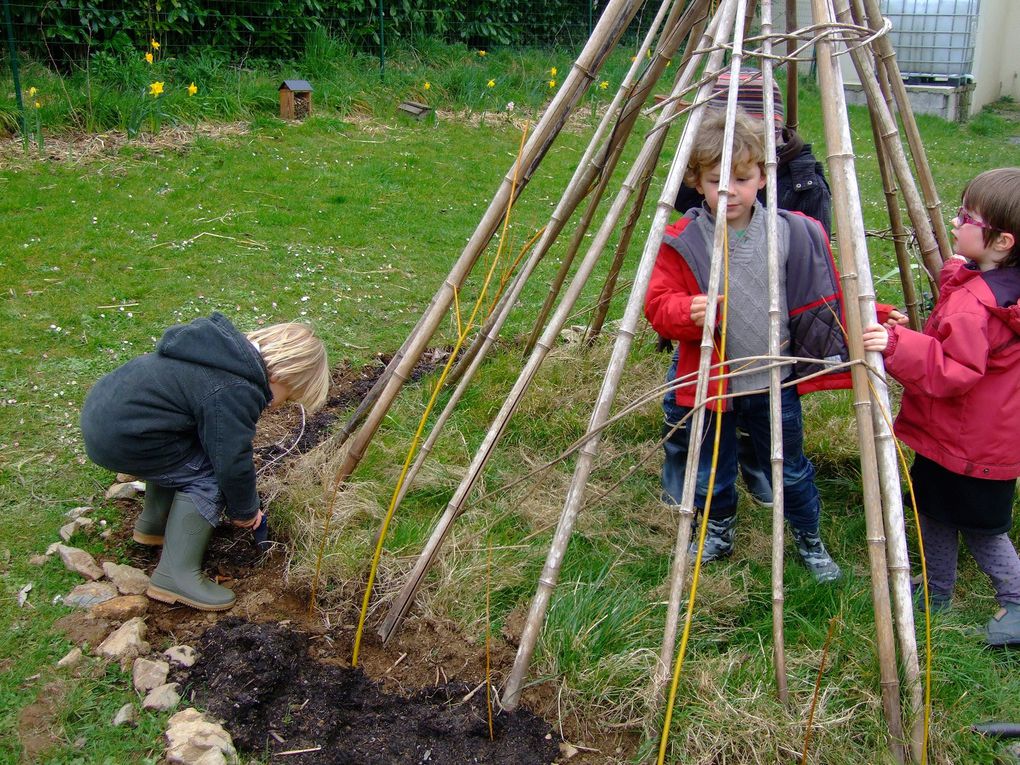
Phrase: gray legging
pixel 994 553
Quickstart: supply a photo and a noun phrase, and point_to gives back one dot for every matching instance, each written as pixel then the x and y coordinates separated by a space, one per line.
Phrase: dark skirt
pixel 971 504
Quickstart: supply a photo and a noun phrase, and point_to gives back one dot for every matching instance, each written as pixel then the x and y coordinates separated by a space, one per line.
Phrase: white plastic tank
pixel 934 39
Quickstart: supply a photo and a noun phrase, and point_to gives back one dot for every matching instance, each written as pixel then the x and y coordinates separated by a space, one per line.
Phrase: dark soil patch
pixel 275 697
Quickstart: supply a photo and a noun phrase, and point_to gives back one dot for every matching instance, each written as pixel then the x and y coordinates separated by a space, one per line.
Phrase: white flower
pixel 510 106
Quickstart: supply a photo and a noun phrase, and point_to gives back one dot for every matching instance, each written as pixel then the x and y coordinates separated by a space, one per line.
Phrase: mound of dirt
pixel 275 698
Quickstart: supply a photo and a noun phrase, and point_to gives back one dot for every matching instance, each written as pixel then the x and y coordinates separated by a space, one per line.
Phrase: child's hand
pixel 876 337
pixel 252 523
pixel 699 307
pixel 895 317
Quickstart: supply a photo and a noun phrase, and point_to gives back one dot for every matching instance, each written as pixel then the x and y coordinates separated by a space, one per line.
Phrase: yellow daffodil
pixel 32 92
pixel 669 64
pixel 633 59
pixel 38 105
pixel 490 84
pixel 552 83
pixel 148 58
pixel 155 89
pixel 604 84
pixel 428 85
pixel 192 89
pixel 482 53
pixel 154 44
pixel 553 71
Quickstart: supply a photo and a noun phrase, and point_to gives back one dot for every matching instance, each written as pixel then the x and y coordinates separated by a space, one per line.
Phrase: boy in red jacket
pixel 960 411
pixel 810 298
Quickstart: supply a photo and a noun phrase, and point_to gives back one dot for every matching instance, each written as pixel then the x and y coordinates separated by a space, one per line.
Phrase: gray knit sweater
pixel 747 332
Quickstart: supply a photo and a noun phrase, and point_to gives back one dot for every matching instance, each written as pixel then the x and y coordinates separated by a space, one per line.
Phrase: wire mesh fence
pixel 65 33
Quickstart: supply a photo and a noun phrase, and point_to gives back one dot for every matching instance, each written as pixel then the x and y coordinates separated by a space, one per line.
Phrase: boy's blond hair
pixel 296 358
pixel 748 144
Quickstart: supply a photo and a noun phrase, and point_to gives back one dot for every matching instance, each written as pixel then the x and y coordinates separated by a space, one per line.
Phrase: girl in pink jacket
pixel 960 411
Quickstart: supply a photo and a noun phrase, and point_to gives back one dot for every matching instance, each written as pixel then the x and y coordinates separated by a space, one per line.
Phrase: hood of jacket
pixel 997 290
pixel 214 342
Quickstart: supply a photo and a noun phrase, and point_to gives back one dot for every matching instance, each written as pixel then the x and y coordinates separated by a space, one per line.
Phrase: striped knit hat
pixel 750 94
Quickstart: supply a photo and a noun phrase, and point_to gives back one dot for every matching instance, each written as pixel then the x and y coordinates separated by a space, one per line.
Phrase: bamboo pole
pixel 888 468
pixel 643 165
pixel 601 164
pixel 607 33
pixel 678 570
pixel 583 176
pixel 899 231
pixel 775 400
pixel 853 256
pixel 887 57
pixel 792 102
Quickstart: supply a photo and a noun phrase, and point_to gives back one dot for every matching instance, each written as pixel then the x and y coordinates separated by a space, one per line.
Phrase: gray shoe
pixel 718 539
pixel 151 524
pixel 1004 628
pixel 178 578
pixel 817 559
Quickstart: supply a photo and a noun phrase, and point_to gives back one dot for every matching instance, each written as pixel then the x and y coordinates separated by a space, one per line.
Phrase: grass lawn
pixel 352 224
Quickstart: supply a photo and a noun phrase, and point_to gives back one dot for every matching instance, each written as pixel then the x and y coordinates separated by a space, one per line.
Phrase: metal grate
pixel 934 39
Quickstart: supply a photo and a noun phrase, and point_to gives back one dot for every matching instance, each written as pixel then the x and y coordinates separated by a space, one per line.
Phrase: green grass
pixel 351 222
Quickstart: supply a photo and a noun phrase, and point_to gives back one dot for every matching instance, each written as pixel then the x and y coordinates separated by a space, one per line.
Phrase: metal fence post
pixel 14 69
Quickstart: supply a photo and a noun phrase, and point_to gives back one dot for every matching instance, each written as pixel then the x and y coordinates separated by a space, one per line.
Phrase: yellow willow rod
pixel 924 579
pixel 689 616
pixel 818 688
pixel 437 388
pixel 505 278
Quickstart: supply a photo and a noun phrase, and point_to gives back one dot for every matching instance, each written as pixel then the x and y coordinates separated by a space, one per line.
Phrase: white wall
pixel 997 52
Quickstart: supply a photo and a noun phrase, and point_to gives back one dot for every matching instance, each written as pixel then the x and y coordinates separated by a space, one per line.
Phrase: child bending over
pixel 183 419
pixel 960 411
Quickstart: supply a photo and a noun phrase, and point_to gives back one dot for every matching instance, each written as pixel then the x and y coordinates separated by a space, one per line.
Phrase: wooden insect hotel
pixel 295 99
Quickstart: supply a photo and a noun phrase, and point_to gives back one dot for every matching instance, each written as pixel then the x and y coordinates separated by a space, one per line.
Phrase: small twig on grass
pixel 297 751
pixel 396 663
pixel 818 687
pixel 118 305
pixel 470 694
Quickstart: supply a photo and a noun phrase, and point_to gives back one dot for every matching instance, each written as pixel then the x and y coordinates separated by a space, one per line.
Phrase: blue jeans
pixel 801 501
pixel 196 479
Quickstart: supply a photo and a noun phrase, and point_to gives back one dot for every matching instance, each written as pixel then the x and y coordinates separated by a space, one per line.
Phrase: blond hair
pixel 296 358
pixel 748 144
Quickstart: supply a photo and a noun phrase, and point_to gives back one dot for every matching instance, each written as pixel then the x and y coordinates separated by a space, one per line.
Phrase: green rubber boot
pixel 151 524
pixel 178 578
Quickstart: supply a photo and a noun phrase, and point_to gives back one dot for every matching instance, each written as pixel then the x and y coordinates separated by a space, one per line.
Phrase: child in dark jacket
pixel 960 410
pixel 183 419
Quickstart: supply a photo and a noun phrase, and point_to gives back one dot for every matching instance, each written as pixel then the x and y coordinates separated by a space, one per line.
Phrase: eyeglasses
pixel 965 217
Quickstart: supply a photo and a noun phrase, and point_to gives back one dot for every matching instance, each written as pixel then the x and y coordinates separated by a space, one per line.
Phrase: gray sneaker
pixel 812 551
pixel 718 539
pixel 1004 628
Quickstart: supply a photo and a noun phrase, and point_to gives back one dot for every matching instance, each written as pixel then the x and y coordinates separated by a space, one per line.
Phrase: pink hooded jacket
pixel 961 376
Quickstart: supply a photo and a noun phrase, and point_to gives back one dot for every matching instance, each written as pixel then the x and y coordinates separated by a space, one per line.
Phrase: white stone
pixel 39 560
pixel 79 561
pixel 147 674
pixel 123 490
pixel 90 594
pixel 68 530
pixel 125 642
pixel 77 512
pixel 71 659
pixel 126 715
pixel 183 655
pixel 128 579
pixel 194 740
pixel 162 698
pixel 52 549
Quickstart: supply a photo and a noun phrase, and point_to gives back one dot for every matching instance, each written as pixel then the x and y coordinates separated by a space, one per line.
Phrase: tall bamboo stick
pixel 888 468
pixel 644 164
pixel 899 231
pixel 678 570
pixel 595 164
pixel 583 176
pixel 887 57
pixel 792 96
pixel 853 256
pixel 607 33
pixel 775 400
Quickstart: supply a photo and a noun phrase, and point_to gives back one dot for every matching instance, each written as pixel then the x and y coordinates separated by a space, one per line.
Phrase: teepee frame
pixel 839 27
